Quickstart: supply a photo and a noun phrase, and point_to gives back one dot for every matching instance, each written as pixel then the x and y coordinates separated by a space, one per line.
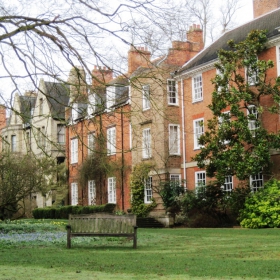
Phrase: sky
pixel 243 15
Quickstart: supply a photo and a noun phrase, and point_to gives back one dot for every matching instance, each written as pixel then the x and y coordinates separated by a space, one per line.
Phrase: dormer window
pixel 75 113
pixel 91 104
pixel 110 96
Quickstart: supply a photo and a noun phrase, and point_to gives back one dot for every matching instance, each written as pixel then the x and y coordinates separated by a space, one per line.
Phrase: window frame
pixel 91 192
pixel 172 92
pixel 90 142
pixel 75 111
pixel 198 180
pixel 148 190
pixel 146 143
pixel 13 143
pixel 174 142
pixel 196 133
pixel 252 124
pixel 146 97
pixel 251 80
pixel 197 88
pixel 112 195
pixel 74 194
pixel 91 104
pixel 228 184
pixel 74 150
pixel 111 141
pixel 110 96
pixel 258 179
pixel 60 133
pixel 278 59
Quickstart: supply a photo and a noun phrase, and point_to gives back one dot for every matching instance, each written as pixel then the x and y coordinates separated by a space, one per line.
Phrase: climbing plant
pixel 138 177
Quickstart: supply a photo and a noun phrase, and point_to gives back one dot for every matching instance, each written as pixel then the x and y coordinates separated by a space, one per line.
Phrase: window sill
pixel 197 101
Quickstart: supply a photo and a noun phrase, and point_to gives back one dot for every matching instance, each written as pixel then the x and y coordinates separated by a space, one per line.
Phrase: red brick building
pixel 194 80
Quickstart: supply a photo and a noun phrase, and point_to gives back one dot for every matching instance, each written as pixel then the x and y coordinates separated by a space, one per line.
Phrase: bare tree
pixel 213 23
pixel 228 11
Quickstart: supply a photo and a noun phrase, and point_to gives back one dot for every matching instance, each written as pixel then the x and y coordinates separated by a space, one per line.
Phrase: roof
pixel 269 22
pixel 58 98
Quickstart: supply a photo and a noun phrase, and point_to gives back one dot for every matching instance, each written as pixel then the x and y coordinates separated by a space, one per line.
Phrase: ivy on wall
pixel 138 177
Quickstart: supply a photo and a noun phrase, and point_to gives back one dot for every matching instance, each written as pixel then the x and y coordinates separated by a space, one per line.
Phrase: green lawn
pixel 162 254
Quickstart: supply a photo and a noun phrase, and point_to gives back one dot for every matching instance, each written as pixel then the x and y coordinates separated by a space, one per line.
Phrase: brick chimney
pixel 262 7
pixel 101 76
pixel 195 36
pixel 77 83
pixel 181 52
pixel 138 57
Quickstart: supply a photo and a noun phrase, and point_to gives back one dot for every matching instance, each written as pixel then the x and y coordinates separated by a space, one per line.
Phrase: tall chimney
pixel 101 76
pixel 77 82
pixel 262 7
pixel 138 57
pixel 195 36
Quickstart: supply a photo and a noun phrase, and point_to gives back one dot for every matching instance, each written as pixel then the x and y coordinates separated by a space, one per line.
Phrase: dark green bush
pixel 210 206
pixel 64 211
pixel 262 208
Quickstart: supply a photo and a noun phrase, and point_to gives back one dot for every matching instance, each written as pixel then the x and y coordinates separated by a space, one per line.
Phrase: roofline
pixel 210 64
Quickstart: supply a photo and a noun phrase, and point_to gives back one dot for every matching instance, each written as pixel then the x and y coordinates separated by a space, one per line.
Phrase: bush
pixel 210 206
pixel 64 211
pixel 262 209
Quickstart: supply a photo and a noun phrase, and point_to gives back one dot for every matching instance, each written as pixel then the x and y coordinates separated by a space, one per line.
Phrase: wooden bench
pixel 102 224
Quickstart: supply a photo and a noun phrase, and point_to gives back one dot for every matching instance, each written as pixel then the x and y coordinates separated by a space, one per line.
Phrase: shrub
pixel 211 206
pixel 64 211
pixel 170 193
pixel 262 209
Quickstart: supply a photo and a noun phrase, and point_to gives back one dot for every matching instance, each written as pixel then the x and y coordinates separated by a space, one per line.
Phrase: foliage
pixel 262 208
pixel 170 193
pixel 96 166
pixel 235 142
pixel 21 175
pixel 64 211
pixel 138 177
pixel 211 206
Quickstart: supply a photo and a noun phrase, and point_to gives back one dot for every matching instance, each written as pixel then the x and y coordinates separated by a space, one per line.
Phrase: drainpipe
pixel 122 169
pixel 183 135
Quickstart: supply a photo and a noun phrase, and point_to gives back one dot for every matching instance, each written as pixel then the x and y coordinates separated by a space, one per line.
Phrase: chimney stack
pixel 138 57
pixel 262 7
pixel 101 76
pixel 195 36
pixel 77 82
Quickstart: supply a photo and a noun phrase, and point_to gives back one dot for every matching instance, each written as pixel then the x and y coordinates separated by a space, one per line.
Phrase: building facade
pixel 195 84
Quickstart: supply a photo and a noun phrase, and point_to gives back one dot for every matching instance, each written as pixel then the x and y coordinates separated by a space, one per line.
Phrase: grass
pixel 161 254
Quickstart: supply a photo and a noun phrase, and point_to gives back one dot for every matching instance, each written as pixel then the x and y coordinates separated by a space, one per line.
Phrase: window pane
pixel 172 93
pixel 146 97
pixel 174 144
pixel 148 190
pixel 91 193
pixel 197 88
pixel 146 143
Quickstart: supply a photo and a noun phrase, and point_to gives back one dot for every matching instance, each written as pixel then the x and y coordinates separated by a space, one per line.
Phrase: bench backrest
pixel 102 223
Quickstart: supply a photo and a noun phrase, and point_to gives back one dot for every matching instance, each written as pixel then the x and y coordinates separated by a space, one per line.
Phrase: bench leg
pixel 68 238
pixel 135 238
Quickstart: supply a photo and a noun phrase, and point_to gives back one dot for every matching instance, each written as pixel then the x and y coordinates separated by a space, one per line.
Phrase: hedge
pixel 64 211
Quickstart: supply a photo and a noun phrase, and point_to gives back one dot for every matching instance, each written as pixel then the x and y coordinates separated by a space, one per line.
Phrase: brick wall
pixel 262 7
